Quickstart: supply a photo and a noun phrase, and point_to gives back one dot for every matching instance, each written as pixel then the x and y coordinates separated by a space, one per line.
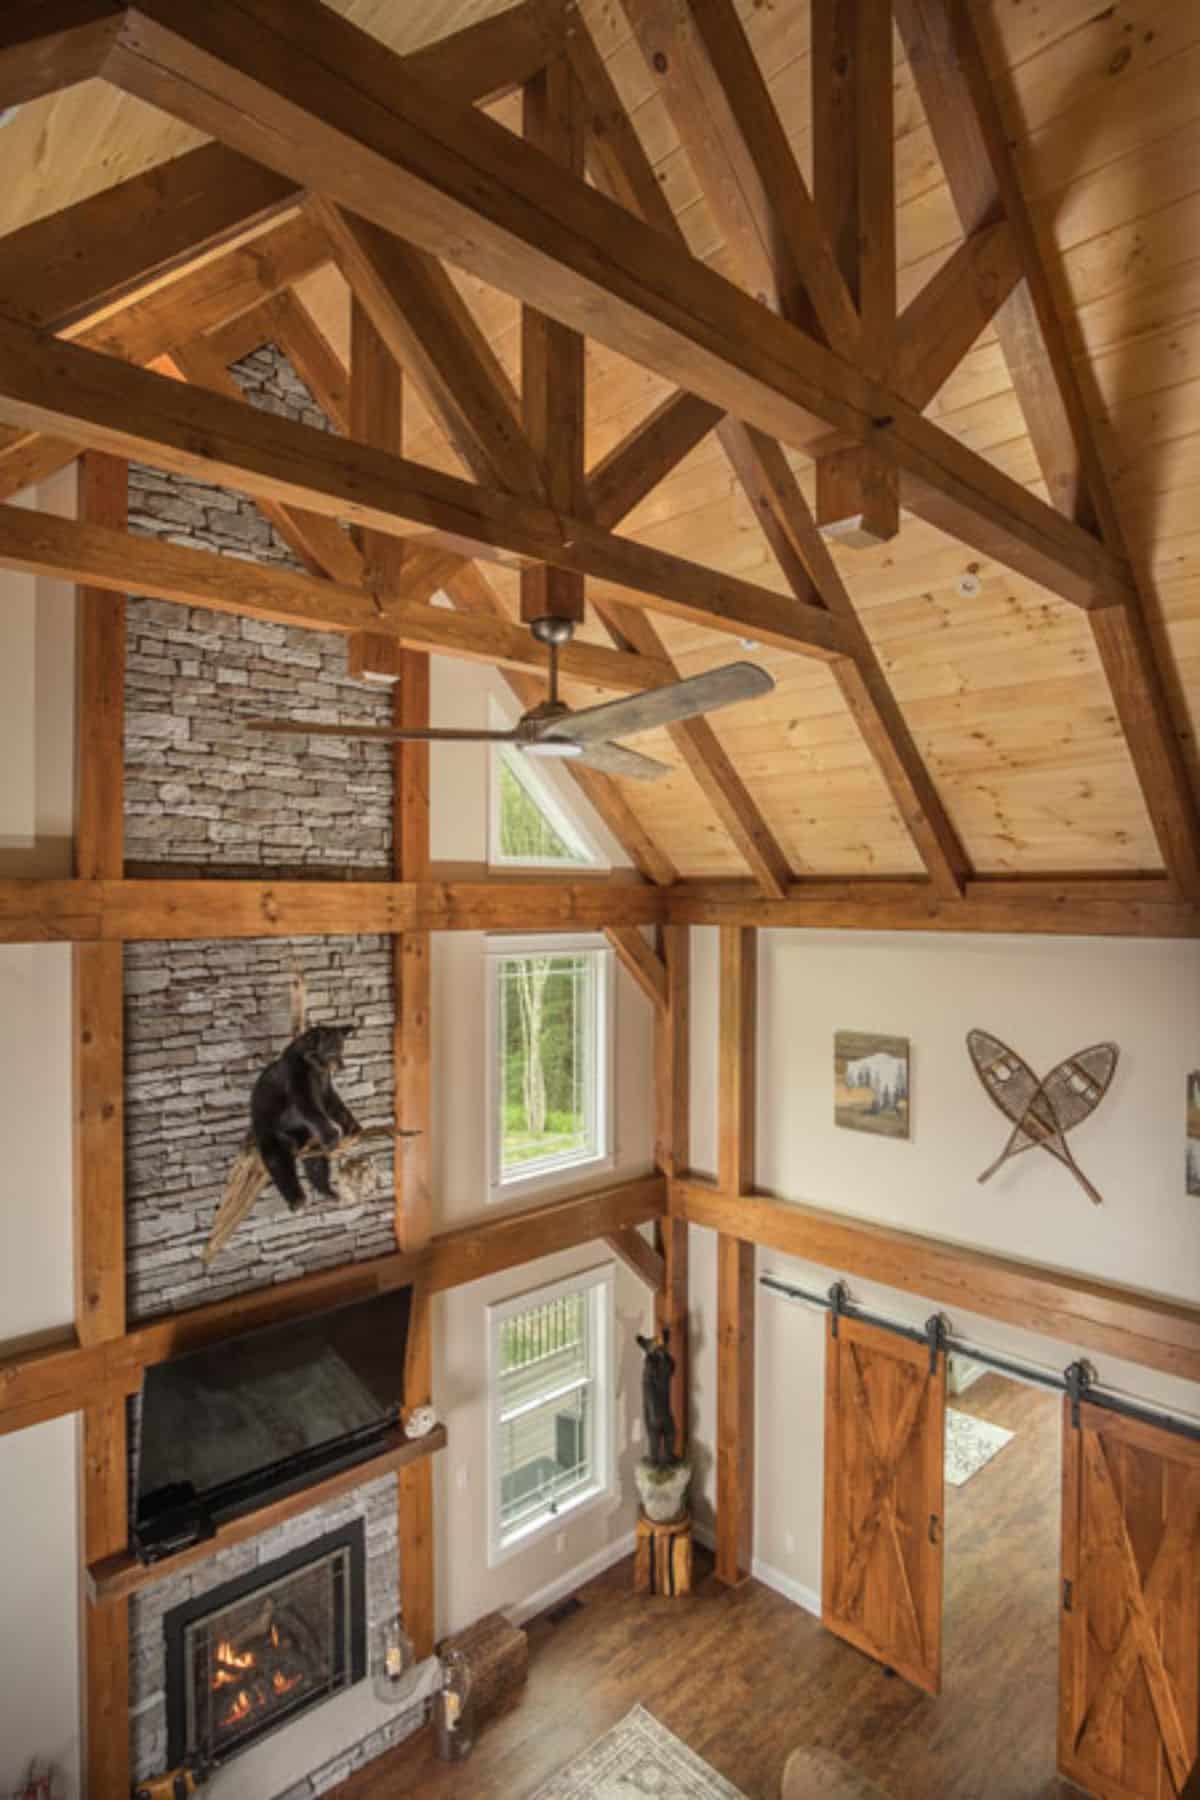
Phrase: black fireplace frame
pixel 353 1656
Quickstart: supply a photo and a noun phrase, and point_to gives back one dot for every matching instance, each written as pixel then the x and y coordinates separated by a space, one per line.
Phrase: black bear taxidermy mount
pixel 295 1107
pixel 657 1371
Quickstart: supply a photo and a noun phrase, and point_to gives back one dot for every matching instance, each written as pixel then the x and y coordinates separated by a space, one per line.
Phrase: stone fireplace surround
pixel 202 1017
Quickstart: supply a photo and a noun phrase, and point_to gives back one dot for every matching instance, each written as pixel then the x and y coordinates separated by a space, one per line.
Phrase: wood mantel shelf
pixel 116 1577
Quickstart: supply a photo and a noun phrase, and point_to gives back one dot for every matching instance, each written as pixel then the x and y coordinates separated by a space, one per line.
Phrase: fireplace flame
pixel 238 1710
pixel 232 1666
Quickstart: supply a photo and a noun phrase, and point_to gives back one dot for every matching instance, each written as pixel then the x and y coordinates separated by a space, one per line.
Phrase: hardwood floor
pixel 744 1676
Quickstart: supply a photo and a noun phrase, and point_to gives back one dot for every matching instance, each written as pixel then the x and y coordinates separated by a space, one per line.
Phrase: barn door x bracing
pixel 885 1404
pixel 1129 1647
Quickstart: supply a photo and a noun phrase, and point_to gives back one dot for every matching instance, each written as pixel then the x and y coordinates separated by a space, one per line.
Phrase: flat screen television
pixel 230 1427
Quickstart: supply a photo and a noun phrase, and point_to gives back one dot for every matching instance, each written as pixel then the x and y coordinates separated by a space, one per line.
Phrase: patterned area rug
pixel 638 1757
pixel 970 1443
pixel 812 1772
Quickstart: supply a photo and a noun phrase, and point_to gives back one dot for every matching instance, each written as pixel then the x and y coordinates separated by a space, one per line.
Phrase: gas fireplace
pixel 252 1655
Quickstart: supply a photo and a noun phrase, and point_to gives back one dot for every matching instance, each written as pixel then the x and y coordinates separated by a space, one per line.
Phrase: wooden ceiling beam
pixel 634 467
pixel 208 297
pixel 320 543
pixel 100 557
pixel 48 45
pixel 420 315
pixel 70 268
pixel 553 390
pixel 773 490
pixel 929 34
pixel 27 458
pixel 858 499
pixel 291 328
pixel 465 584
pixel 66 269
pixel 623 168
pixel 62 389
pixel 703 66
pixel 940 324
pixel 948 64
pixel 321 101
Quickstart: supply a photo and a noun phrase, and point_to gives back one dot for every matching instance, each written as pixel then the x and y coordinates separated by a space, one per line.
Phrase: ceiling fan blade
pixel 391 734
pixel 664 706
pixel 613 759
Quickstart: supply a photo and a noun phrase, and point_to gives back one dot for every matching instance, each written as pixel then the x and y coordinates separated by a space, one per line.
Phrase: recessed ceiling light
pixel 7 113
pixel 969 586
pixel 748 643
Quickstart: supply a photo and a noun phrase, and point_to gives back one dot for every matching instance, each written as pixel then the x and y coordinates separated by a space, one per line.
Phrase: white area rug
pixel 638 1757
pixel 970 1443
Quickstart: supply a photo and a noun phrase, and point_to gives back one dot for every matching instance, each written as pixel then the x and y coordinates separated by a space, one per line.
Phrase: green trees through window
pixel 527 825
pixel 547 1019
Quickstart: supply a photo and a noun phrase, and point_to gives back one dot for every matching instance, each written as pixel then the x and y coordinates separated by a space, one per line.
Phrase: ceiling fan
pixel 552 729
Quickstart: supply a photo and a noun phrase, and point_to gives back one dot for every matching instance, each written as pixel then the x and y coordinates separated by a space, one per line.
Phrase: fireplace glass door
pixel 250 1656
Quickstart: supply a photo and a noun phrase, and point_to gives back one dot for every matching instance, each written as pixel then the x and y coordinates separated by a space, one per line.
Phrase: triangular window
pixel 530 826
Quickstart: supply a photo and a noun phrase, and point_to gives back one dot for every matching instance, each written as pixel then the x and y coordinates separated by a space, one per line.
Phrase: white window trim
pixel 597 1282
pixel 545 787
pixel 566 1170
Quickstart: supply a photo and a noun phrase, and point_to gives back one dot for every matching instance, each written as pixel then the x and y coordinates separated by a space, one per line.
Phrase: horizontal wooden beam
pixel 116 1577
pixel 312 96
pixel 65 390
pixel 45 1379
pixel 47 45
pixel 98 556
pixel 49 912
pixel 1148 1329
pixel 1053 907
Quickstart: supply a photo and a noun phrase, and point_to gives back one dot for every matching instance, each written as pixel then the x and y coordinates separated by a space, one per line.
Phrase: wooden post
pixel 735 1258
pixel 99 1137
pixel 858 501
pixel 377 417
pixel 671 1076
pixel 552 362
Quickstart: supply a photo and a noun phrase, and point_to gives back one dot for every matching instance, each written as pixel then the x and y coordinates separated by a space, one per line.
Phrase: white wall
pixel 38 1526
pixel 1046 998
pixel 463 694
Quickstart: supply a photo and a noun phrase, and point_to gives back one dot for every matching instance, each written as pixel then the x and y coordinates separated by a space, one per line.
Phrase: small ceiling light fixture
pixel 8 113
pixel 748 643
pixel 969 585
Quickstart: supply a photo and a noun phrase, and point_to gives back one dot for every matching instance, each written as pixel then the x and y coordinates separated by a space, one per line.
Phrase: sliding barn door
pixel 884 1456
pixel 1129 1685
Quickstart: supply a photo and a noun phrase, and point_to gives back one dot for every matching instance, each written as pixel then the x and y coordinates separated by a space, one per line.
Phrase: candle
pixel 394 1662
pixel 453 1707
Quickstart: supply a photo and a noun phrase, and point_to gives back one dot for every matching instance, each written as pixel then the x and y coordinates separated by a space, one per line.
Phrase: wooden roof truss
pixel 329 145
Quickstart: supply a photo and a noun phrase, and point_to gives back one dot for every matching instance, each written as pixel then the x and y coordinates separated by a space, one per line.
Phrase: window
pixel 531 827
pixel 550 1087
pixel 550 1387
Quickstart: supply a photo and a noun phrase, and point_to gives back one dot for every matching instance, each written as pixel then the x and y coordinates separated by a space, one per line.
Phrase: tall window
pixel 530 827
pixel 550 1087
pixel 551 1395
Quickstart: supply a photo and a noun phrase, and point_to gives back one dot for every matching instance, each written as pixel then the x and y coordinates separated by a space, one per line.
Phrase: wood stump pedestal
pixel 662 1561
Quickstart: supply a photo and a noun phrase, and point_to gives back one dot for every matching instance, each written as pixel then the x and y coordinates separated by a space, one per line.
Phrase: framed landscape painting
pixel 870 1083
pixel 1193 1132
